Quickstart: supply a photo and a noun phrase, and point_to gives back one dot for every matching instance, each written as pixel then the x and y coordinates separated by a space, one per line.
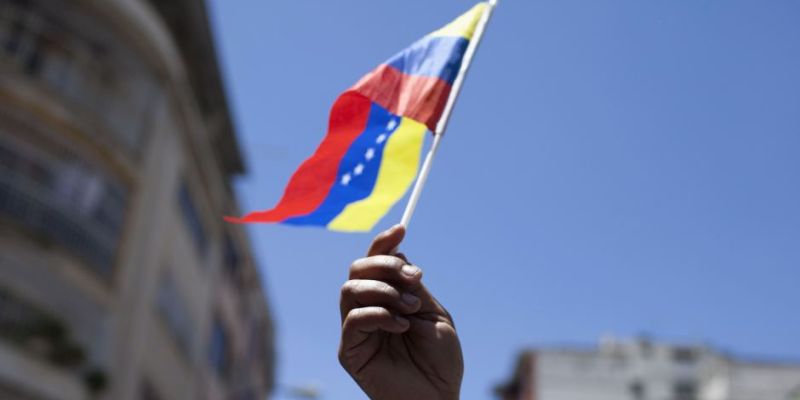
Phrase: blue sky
pixel 613 167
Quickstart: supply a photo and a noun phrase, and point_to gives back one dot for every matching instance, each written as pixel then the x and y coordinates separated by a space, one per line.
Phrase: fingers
pixel 387 241
pixel 359 325
pixel 360 322
pixel 389 269
pixel 359 293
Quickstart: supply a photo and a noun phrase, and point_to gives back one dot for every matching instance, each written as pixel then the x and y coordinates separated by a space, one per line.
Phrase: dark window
pixel 22 323
pixel 175 313
pixel 111 210
pixel 685 391
pixel 191 216
pixel 231 257
pixel 684 355
pixel 637 390
pixel 218 352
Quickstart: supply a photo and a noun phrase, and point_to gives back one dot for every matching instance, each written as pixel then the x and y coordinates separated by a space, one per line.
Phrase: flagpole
pixel 448 110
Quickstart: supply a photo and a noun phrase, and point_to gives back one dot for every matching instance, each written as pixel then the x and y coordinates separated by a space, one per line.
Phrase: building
pixel 118 278
pixel 644 370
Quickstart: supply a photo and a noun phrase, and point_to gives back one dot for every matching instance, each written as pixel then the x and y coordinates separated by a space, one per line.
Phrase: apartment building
pixel 118 278
pixel 647 370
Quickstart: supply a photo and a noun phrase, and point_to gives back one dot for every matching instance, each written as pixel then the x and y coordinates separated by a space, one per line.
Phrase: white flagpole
pixel 448 110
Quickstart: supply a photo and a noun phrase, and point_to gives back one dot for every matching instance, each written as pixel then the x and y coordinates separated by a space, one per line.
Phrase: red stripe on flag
pixel 310 184
pixel 421 98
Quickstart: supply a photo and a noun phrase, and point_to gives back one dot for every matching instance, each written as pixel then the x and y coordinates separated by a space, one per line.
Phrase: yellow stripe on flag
pixel 397 171
pixel 465 25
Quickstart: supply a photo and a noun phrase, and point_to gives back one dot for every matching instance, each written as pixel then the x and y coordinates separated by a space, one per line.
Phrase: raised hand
pixel 397 342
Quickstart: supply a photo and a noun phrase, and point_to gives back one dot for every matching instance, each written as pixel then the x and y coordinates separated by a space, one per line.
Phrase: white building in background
pixel 118 278
pixel 645 370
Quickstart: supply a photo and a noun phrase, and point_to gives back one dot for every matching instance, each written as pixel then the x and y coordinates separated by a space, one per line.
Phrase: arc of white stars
pixel 368 155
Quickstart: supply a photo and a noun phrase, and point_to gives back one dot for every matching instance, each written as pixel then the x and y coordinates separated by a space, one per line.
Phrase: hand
pixel 398 342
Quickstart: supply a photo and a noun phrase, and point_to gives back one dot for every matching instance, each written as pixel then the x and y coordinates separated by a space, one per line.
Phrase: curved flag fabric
pixel 371 154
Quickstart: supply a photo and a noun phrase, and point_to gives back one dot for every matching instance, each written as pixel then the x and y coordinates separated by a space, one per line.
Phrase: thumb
pixel 386 241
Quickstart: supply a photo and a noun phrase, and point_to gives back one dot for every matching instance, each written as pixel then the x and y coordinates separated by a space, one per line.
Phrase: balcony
pixel 37 353
pixel 62 203
pixel 88 70
pixel 50 221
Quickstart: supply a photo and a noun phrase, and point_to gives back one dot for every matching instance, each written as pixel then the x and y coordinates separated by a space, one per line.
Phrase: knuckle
pixel 347 289
pixel 374 265
pixel 387 290
pixel 360 314
pixel 358 264
pixel 355 314
pixel 390 262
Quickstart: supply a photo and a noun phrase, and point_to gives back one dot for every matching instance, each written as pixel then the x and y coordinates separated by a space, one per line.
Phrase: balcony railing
pixel 95 76
pixel 46 216
pixel 26 325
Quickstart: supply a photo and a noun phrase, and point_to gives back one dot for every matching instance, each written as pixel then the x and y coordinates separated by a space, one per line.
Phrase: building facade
pixel 118 278
pixel 644 370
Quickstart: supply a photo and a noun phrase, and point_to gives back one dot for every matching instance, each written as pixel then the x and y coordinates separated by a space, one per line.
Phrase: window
pixel 231 257
pixel 637 390
pixel 23 322
pixel 175 313
pixel 684 355
pixel 63 201
pixel 218 351
pixel 191 217
pixel 685 391
pixel 233 268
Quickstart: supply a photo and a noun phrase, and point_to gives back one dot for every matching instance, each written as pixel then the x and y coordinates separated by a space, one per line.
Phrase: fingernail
pixel 410 299
pixel 401 320
pixel 410 270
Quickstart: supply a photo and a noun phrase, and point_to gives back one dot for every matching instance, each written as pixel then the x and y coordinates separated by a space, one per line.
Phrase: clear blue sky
pixel 613 167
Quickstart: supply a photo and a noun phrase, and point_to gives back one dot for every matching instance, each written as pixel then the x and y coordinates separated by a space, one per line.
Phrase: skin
pixel 397 342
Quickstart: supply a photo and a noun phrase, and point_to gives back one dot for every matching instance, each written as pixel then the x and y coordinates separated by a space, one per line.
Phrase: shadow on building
pixel 118 278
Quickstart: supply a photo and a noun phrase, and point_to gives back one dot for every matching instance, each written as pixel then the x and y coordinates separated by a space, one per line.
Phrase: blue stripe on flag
pixel 358 169
pixel 432 56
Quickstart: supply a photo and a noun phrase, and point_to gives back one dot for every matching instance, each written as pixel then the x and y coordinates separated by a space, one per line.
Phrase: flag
pixel 371 153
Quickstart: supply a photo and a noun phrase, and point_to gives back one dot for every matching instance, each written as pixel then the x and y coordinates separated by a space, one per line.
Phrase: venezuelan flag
pixel 376 131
